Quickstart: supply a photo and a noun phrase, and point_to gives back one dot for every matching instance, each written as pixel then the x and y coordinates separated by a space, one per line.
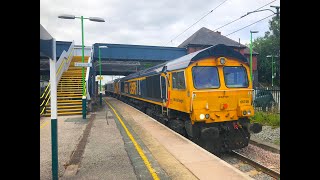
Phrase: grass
pixel 265 118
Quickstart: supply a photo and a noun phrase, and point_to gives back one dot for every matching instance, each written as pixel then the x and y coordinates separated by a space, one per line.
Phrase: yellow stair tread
pixel 79 97
pixel 72 100
pixel 69 88
pixel 72 91
pixel 69 94
pixel 63 95
pixel 75 84
pixel 75 109
pixel 69 85
pixel 73 77
pixel 68 107
pixel 64 113
pixel 69 103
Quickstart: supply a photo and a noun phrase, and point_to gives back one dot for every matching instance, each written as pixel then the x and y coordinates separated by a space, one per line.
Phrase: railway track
pixel 267 147
pixel 256 165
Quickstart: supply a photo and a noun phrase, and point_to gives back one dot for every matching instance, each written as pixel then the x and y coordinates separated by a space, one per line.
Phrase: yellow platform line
pixel 44 124
pixel 136 145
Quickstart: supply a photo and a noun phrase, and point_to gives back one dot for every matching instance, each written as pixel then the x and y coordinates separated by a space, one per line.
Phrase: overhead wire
pixel 197 21
pixel 249 25
pixel 243 16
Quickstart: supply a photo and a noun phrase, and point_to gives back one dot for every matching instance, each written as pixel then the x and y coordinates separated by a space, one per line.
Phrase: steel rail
pixel 257 165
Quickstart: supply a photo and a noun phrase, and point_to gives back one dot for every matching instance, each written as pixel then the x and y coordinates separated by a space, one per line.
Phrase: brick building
pixel 204 38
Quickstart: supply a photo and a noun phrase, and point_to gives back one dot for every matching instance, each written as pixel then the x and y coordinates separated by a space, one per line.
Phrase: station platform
pixel 120 142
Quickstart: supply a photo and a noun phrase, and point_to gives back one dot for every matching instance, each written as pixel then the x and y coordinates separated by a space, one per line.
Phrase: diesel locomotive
pixel 205 96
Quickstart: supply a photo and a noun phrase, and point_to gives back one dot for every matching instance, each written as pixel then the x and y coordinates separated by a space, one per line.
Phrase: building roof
pixel 247 51
pixel 205 36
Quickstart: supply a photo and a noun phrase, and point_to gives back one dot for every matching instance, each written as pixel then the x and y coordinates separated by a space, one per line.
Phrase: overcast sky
pixel 151 22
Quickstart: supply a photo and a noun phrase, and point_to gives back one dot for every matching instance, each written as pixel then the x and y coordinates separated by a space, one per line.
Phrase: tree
pixel 269 45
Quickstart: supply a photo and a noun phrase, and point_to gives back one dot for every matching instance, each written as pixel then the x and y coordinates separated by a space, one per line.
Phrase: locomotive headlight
pixel 201 116
pixel 244 113
pixel 207 116
pixel 249 112
pixel 222 60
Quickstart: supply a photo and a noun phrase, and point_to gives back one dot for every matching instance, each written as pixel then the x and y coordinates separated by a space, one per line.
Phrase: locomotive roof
pixel 184 61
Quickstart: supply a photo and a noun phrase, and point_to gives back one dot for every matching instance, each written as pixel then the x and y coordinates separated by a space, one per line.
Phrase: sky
pixel 152 22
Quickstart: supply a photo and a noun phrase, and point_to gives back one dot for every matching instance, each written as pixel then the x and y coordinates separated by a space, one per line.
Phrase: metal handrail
pixel 45 106
pixel 45 90
pixel 45 98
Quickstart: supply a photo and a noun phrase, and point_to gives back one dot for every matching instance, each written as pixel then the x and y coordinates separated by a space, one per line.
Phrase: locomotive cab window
pixel 178 81
pixel 205 77
pixel 235 76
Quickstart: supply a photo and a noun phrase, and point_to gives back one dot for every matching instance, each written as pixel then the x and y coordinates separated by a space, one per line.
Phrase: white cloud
pixel 150 22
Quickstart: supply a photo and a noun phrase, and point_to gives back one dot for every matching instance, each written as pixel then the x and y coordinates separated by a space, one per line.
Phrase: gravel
pixel 266 158
pixel 269 134
pixel 263 177
pixel 246 168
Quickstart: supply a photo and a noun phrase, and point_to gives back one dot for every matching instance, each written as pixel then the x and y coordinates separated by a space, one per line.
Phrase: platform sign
pixel 82 64
pixel 100 78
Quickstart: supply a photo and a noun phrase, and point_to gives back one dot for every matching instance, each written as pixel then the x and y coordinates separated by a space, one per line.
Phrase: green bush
pixel 265 118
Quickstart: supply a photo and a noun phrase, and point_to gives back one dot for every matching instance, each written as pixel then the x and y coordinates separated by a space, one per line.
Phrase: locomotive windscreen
pixel 205 77
pixel 235 76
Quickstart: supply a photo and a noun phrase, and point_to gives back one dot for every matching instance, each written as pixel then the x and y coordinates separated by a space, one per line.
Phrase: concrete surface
pixel 69 134
pixel 105 156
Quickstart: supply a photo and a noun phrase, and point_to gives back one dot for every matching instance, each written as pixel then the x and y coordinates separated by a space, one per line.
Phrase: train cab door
pixel 164 90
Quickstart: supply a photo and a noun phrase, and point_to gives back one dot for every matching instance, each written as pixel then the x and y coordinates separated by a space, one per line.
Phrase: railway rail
pixel 256 165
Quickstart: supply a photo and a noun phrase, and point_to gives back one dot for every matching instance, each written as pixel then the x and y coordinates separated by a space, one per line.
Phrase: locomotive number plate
pixel 244 101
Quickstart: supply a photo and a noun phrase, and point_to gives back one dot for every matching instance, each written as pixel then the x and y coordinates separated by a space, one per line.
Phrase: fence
pixel 267 99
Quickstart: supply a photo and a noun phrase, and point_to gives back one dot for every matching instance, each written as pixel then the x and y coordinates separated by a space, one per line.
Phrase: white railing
pixel 78 50
pixel 63 63
pixel 87 78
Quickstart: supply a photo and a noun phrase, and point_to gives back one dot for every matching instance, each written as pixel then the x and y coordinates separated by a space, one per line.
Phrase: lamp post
pixel 100 72
pixel 272 62
pixel 251 54
pixel 96 19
